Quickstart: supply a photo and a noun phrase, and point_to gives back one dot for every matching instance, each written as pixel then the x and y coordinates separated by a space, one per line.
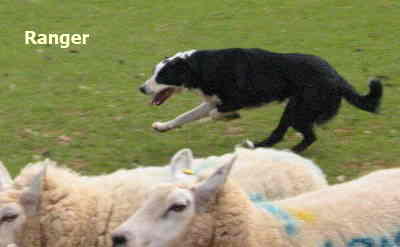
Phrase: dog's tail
pixel 369 102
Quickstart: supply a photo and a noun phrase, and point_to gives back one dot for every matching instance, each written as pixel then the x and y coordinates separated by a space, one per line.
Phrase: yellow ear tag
pixel 188 172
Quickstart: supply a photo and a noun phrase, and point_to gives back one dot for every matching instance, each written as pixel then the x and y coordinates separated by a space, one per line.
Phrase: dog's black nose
pixel 142 89
pixel 119 240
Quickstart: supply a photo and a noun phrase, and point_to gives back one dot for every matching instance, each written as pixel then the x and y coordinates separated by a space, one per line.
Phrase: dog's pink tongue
pixel 156 102
pixel 162 96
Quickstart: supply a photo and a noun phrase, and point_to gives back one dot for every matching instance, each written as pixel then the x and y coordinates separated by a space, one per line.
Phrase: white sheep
pixel 53 206
pixel 217 213
pixel 272 173
pixel 79 211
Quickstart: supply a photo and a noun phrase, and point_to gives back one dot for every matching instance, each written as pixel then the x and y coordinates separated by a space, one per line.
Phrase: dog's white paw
pixel 246 144
pixel 161 127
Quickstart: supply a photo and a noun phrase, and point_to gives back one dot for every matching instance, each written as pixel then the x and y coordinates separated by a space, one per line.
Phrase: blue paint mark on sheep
pixel 387 243
pixel 367 242
pixel 290 224
pixel 384 241
pixel 397 239
pixel 328 244
pixel 257 197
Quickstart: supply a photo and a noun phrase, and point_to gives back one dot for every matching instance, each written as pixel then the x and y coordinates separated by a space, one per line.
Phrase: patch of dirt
pixel 63 139
pixel 42 151
pixel 234 131
pixel 52 133
pixel 118 118
pixel 293 136
pixel 344 131
pixel 78 164
pixel 31 132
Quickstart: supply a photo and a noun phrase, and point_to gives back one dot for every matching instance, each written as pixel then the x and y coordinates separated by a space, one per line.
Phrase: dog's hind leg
pixel 318 106
pixel 276 135
pixel 303 117
pixel 308 137
pixel 285 122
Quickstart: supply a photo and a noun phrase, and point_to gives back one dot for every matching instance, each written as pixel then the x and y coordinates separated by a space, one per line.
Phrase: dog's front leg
pixel 197 113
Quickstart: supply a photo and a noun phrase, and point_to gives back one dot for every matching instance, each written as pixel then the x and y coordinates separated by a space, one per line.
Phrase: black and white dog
pixel 232 79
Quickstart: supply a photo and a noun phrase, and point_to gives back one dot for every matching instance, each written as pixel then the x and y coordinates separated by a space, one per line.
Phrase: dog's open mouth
pixel 162 96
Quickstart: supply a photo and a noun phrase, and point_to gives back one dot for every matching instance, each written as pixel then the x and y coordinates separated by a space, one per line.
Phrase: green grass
pixel 90 96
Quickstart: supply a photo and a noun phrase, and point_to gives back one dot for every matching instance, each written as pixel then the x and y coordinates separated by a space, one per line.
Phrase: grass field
pixel 81 107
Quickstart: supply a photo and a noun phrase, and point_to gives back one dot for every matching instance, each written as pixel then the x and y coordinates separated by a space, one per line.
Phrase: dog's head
pixel 169 77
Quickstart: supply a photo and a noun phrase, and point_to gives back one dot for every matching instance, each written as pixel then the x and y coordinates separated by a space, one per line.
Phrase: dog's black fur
pixel 252 77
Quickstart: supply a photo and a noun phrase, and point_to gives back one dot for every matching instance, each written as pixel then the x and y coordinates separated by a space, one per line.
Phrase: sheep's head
pixel 174 215
pixel 16 206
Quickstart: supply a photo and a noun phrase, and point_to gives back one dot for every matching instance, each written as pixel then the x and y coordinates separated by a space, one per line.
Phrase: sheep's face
pixel 16 205
pixel 12 218
pixel 174 215
pixel 162 221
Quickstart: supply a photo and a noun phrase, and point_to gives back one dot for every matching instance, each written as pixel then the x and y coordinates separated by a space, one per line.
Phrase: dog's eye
pixel 9 217
pixel 177 208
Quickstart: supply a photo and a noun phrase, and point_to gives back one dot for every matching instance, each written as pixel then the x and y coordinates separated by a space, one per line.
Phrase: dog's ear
pixel 175 72
pixel 187 72
pixel 180 65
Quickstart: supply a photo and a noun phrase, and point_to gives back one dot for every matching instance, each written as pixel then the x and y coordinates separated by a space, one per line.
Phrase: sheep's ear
pixel 30 198
pixel 182 160
pixel 5 178
pixel 208 189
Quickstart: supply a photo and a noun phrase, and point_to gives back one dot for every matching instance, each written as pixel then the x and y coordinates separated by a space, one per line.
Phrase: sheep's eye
pixel 9 218
pixel 177 208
